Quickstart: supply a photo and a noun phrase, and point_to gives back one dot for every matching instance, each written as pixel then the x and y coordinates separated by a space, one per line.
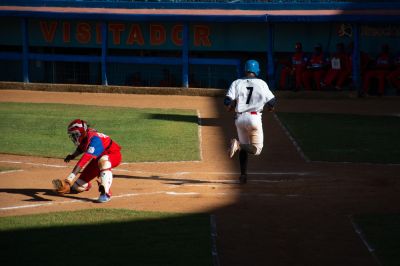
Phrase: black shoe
pixel 243 179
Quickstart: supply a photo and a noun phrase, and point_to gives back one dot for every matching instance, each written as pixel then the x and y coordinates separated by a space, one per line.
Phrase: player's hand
pixel 69 158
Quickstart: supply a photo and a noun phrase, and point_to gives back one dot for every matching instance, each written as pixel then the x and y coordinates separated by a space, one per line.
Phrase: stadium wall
pixel 190 47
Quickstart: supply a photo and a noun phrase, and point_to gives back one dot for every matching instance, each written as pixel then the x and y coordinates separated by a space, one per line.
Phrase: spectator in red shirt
pixel 315 69
pixel 294 68
pixel 379 71
pixel 340 68
pixel 394 76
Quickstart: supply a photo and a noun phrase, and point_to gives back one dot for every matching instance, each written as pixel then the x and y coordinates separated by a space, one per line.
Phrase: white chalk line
pixel 10 171
pixel 180 173
pixel 36 164
pixel 294 142
pixel 167 193
pixel 183 173
pixel 214 252
pixel 363 238
pixel 165 162
pixel 199 134
pixel 221 183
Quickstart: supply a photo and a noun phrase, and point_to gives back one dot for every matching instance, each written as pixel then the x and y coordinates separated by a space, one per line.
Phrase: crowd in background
pixel 322 71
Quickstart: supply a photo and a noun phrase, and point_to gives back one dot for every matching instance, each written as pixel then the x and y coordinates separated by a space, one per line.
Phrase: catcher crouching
pixel 100 155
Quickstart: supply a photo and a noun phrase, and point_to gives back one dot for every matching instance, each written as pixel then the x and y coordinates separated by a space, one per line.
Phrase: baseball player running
pixel 247 96
pixel 100 155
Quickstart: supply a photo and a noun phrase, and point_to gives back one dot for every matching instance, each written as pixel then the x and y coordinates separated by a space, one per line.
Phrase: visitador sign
pixel 120 34
pixel 136 35
pixel 227 37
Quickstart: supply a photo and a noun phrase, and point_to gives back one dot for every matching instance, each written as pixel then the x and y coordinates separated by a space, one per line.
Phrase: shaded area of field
pixel 106 237
pixel 382 234
pixel 345 137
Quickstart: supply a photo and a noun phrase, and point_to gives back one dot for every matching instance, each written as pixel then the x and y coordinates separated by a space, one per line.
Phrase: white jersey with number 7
pixel 251 94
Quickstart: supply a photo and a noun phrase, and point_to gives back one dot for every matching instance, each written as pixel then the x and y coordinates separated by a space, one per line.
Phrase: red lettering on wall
pixel 135 35
pixel 202 35
pixel 157 34
pixel 177 35
pixel 48 31
pixel 116 29
pixel 66 32
pixel 98 33
pixel 83 34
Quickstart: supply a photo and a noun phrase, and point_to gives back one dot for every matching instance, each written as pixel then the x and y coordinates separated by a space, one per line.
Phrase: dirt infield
pixel 290 213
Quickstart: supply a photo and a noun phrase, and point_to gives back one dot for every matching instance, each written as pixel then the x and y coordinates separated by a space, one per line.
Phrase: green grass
pixel 6 168
pixel 383 234
pixel 345 137
pixel 106 237
pixel 144 134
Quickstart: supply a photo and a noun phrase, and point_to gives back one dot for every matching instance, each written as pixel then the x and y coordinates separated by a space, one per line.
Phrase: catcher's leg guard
pixel 106 175
pixel 106 181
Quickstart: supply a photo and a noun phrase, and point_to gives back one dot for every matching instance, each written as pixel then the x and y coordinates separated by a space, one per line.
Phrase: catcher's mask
pixel 77 131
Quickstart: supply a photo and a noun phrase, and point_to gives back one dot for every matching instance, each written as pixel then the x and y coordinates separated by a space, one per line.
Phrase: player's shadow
pixel 36 194
pixel 210 122
pixel 172 181
pixel 176 117
pixel 187 119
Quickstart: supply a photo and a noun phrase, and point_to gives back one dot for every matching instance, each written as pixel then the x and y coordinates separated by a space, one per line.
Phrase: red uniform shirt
pixel 299 59
pixel 383 61
pixel 317 61
pixel 96 145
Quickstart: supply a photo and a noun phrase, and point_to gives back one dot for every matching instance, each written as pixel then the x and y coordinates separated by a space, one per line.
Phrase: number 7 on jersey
pixel 250 89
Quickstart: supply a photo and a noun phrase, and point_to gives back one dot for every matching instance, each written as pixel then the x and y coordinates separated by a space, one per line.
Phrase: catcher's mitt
pixel 61 186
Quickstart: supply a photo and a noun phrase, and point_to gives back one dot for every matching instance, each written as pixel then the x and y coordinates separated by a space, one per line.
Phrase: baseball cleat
pixel 243 179
pixel 235 146
pixel 104 197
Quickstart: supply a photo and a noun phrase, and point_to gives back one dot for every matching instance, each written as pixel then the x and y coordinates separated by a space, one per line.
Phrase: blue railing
pixel 25 57
pixel 210 4
pixel 205 1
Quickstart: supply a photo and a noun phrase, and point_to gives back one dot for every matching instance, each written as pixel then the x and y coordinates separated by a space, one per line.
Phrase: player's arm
pixel 72 156
pixel 85 159
pixel 94 150
pixel 229 103
pixel 271 105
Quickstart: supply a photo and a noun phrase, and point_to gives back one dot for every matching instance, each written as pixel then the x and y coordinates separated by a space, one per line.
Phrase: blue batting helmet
pixel 252 66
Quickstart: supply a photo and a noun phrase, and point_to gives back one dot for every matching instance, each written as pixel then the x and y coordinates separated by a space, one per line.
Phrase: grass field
pixel 345 137
pixel 6 168
pixel 103 236
pixel 106 237
pixel 383 234
pixel 144 134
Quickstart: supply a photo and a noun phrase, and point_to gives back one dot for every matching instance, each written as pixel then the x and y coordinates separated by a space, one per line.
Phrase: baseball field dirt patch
pixel 291 212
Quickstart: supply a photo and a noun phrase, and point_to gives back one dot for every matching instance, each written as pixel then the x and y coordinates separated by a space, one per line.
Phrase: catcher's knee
pixel 80 186
pixel 104 163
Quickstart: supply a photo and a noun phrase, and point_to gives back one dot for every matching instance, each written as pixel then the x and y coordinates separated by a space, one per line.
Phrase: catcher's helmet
pixel 77 131
pixel 252 66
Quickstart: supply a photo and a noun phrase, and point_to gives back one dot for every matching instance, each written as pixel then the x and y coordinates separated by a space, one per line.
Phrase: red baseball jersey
pixel 96 145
